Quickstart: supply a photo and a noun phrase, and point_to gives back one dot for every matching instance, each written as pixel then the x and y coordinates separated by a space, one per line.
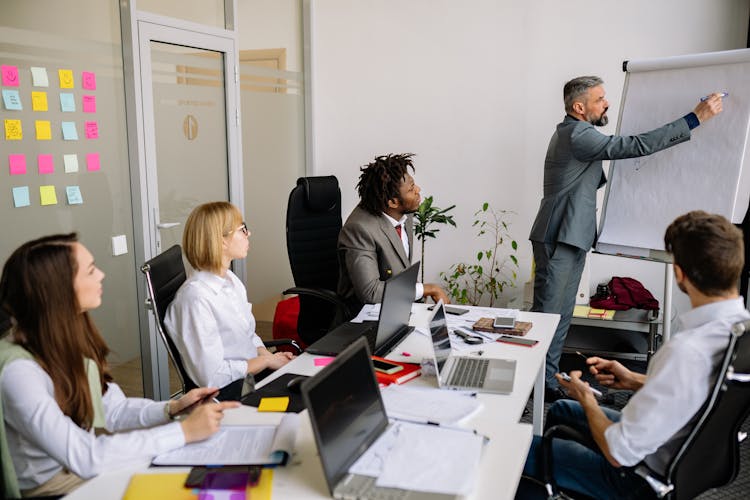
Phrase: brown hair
pixel 37 291
pixel 381 180
pixel 709 250
pixel 205 229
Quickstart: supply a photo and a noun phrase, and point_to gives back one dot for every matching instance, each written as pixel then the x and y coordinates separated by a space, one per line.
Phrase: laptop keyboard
pixel 355 487
pixel 469 372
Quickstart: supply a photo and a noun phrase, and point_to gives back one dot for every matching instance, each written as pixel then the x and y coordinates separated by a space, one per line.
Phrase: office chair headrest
pixel 321 193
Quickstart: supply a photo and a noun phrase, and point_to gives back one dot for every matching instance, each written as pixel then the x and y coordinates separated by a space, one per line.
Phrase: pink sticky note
pixel 10 76
pixel 46 164
pixel 92 130
pixel 323 361
pixel 17 164
pixel 92 162
pixel 89 104
pixel 88 80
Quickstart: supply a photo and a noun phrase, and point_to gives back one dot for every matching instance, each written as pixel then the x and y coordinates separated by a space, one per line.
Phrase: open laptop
pixel 462 372
pixel 391 328
pixel 347 416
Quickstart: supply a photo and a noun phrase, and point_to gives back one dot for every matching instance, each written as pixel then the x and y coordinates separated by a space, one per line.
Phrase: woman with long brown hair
pixel 55 384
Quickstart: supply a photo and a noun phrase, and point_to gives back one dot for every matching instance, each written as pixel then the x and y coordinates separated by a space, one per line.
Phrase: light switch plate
pixel 119 245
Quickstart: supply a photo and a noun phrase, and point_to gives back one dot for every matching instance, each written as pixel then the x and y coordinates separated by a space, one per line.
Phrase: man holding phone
pixel 708 257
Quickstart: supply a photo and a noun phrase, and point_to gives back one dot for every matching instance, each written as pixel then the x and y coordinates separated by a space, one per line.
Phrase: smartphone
pixel 224 477
pixel 504 322
pixel 386 366
pixel 511 339
pixel 458 311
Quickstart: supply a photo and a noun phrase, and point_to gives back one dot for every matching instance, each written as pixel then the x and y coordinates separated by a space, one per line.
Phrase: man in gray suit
pixel 377 239
pixel 565 226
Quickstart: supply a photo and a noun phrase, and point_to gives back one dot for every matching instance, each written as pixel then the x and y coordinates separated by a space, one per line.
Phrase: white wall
pixel 474 87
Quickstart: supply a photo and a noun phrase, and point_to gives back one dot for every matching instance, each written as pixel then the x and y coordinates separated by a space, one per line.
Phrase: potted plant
pixel 493 271
pixel 426 218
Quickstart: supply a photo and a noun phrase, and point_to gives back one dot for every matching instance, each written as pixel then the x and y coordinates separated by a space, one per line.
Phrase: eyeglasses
pixel 242 228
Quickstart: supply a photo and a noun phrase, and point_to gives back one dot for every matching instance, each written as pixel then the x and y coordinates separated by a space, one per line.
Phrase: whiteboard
pixel 709 172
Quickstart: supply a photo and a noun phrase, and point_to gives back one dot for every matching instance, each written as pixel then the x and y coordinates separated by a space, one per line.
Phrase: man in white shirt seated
pixel 708 257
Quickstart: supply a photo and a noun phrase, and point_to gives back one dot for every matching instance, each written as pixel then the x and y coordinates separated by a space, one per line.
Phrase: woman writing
pixel 55 386
pixel 210 319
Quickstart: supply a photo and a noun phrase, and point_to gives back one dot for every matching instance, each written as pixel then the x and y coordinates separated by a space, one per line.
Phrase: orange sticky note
pixel 274 404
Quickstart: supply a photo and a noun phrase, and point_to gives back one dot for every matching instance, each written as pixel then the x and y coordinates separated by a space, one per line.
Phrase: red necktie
pixel 398 230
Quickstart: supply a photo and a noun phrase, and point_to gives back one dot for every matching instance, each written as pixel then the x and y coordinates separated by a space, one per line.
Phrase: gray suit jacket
pixel 370 252
pixel 573 172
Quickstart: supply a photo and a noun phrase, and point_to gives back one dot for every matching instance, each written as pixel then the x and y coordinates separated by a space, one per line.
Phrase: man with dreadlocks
pixel 377 239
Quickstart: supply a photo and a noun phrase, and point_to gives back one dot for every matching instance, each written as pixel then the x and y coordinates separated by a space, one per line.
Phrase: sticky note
pixel 89 104
pixel 274 404
pixel 43 130
pixel 39 101
pixel 21 196
pixel 69 131
pixel 74 195
pixel 13 130
pixel 67 102
pixel 10 75
pixel 92 130
pixel 39 77
pixel 17 164
pixel 71 163
pixel 66 78
pixel 47 195
pixel 12 100
pixel 92 162
pixel 46 164
pixel 323 361
pixel 88 80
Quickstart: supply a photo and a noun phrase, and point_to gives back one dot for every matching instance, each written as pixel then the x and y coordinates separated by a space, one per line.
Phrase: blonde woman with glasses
pixel 210 319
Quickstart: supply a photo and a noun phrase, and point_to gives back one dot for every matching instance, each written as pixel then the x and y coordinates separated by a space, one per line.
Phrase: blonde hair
pixel 204 234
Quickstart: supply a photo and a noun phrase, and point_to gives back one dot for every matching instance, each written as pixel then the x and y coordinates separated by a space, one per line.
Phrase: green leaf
pixel 485 206
pixel 479 256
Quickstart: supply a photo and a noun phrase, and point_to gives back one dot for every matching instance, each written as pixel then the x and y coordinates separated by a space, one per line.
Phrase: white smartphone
pixel 566 378
pixel 386 367
pixel 504 322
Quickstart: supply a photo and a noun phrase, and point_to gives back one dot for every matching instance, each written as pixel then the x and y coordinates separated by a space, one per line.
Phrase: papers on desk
pixel 426 404
pixel 423 458
pixel 369 312
pixel 262 444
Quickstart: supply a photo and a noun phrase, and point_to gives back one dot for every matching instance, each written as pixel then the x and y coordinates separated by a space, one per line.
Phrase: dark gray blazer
pixel 573 172
pixel 370 252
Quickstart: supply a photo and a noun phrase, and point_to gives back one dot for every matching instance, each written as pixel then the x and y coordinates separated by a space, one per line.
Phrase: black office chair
pixel 709 456
pixel 165 273
pixel 313 222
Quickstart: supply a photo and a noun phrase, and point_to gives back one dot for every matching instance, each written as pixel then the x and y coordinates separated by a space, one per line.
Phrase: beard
pixel 602 121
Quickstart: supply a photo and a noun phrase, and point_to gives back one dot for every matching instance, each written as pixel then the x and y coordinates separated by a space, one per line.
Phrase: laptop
pixel 347 416
pixel 391 328
pixel 463 372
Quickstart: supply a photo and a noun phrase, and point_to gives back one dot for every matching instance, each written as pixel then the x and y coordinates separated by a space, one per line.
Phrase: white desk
pixel 502 459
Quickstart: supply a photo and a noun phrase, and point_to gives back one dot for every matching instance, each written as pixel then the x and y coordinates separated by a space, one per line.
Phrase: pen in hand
pixel 721 94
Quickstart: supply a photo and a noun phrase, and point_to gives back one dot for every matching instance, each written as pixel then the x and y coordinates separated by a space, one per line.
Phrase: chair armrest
pixel 323 294
pixel 279 342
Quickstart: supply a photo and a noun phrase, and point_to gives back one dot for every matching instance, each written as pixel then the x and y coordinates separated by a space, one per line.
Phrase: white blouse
pixel 42 439
pixel 212 325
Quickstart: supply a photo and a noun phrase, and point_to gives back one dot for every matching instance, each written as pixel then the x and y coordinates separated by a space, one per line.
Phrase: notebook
pixel 347 416
pixel 390 329
pixel 462 372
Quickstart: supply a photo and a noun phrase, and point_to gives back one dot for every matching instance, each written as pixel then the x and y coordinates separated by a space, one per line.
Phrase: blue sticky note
pixel 67 102
pixel 12 100
pixel 74 195
pixel 69 131
pixel 21 196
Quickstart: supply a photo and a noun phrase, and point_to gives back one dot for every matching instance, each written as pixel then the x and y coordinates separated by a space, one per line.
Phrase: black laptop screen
pixel 440 339
pixel 395 309
pixel 346 410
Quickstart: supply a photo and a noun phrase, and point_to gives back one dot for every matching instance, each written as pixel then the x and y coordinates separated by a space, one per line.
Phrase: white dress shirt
pixel 419 287
pixel 678 381
pixel 212 325
pixel 42 439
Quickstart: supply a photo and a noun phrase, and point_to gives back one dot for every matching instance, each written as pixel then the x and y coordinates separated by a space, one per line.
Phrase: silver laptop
pixel 463 372
pixel 347 416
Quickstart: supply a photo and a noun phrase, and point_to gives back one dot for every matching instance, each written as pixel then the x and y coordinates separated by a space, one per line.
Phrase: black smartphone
pixel 386 367
pixel 458 311
pixel 225 477
pixel 511 339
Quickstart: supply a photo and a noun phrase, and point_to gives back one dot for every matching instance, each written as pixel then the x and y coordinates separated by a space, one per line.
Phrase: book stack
pixel 409 371
pixel 593 313
pixel 520 329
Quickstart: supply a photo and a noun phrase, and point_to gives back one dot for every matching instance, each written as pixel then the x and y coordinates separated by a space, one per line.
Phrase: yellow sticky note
pixel 13 131
pixel 39 101
pixel 47 195
pixel 274 404
pixel 43 130
pixel 66 78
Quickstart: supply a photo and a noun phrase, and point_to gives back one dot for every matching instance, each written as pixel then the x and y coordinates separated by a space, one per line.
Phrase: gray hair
pixel 576 87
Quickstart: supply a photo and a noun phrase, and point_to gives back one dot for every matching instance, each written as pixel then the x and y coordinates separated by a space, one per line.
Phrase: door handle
pixel 167 225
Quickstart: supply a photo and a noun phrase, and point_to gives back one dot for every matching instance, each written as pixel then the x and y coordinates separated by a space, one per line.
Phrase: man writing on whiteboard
pixel 565 226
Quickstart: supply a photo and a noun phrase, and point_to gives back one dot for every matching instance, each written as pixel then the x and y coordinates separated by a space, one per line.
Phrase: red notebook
pixel 409 372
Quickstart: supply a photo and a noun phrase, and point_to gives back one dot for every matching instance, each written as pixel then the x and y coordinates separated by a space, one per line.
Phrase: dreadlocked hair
pixel 380 180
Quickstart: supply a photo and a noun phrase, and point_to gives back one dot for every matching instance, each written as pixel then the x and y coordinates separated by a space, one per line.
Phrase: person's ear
pixel 394 203
pixel 578 107
pixel 679 274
